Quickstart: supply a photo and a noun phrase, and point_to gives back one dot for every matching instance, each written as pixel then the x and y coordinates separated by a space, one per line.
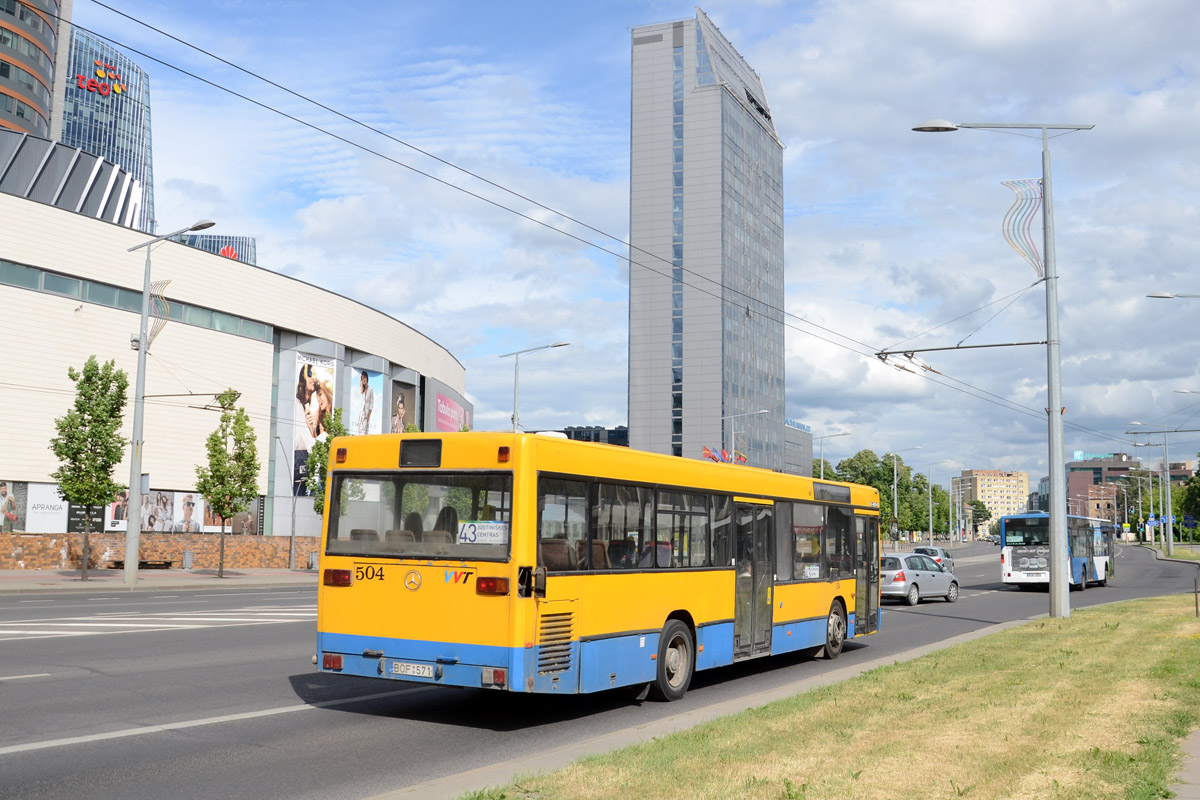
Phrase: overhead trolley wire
pixel 868 352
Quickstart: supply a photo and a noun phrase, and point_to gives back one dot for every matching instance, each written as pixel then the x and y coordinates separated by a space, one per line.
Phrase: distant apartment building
pixel 706 332
pixel 1001 492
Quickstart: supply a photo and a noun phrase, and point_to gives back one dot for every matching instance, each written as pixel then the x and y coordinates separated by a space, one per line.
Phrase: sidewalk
pixel 113 580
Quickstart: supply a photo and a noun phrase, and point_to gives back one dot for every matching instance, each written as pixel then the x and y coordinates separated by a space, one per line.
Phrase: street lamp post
pixel 929 480
pixel 517 376
pixel 1059 598
pixel 733 428
pixel 133 522
pixel 1168 509
pixel 822 439
pixel 895 501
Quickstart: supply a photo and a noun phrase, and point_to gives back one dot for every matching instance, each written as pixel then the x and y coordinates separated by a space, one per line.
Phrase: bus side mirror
pixel 539 582
pixel 524 581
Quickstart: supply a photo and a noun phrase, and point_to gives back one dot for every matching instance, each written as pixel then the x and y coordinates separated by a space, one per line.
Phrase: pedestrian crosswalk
pixel 144 622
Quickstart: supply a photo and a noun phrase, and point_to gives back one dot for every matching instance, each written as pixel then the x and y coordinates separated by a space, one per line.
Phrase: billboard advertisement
pixel 404 407
pixel 366 415
pixel 315 388
pixel 117 513
pixel 46 511
pixel 12 506
pixel 450 415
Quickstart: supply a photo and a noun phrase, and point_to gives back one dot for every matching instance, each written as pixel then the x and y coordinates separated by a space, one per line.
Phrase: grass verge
pixel 1092 706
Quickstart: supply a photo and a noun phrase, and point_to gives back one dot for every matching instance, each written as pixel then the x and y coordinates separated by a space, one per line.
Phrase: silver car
pixel 911 576
pixel 939 554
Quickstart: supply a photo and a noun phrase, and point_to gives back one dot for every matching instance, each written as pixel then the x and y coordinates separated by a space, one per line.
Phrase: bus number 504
pixel 368 572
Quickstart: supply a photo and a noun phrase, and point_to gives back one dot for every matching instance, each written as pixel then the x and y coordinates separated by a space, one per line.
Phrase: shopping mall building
pixel 70 288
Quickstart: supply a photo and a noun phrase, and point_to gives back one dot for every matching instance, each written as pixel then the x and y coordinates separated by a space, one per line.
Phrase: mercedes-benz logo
pixel 412 581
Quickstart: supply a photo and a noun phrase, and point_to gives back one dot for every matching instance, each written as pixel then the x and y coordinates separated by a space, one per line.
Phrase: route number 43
pixel 368 572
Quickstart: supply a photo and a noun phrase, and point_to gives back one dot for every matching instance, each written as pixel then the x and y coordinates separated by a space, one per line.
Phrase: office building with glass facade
pixel 105 111
pixel 28 40
pixel 239 248
pixel 706 333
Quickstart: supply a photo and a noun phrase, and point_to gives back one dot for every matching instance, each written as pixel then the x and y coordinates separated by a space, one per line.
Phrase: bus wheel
pixel 835 631
pixel 1104 581
pixel 1082 579
pixel 675 661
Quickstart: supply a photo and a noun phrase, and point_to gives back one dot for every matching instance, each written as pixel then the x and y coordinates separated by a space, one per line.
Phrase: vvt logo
pixel 457 575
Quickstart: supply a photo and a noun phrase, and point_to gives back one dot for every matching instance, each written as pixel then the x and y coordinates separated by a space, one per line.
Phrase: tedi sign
pixel 109 81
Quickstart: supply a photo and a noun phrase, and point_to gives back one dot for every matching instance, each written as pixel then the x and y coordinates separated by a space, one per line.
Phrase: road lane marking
pixel 196 723
pixel 21 677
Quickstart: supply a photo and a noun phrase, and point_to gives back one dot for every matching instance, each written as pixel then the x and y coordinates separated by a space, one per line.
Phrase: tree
pixel 230 480
pixel 318 459
pixel 830 473
pixel 979 513
pixel 89 443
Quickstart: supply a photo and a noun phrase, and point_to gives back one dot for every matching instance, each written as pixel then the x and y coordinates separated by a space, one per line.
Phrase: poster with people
pixel 404 406
pixel 315 389
pixel 366 415
pixel 158 512
pixel 12 506
pixel 117 513
pixel 245 523
pixel 188 513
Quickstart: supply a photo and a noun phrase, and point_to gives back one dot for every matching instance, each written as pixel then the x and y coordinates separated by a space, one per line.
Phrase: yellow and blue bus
pixel 527 563
pixel 1025 550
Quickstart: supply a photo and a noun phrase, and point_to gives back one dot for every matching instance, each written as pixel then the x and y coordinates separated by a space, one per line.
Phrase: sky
pixel 392 194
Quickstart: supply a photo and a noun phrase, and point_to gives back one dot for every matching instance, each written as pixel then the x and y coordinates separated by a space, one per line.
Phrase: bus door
pixel 754 564
pixel 866 607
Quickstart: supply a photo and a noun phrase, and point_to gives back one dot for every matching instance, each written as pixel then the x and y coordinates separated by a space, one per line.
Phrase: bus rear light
pixel 331 661
pixel 502 455
pixel 899 577
pixel 493 677
pixel 1002 557
pixel 494 586
pixel 337 577
pixel 341 455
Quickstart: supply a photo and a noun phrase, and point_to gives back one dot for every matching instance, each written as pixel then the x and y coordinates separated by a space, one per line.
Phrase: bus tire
pixel 676 661
pixel 835 631
pixel 1104 581
pixel 1083 579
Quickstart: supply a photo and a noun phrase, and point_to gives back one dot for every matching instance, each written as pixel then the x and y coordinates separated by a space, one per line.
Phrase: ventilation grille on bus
pixel 554 650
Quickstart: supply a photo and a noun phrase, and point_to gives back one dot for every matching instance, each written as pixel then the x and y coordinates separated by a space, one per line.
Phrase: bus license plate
pixel 415 670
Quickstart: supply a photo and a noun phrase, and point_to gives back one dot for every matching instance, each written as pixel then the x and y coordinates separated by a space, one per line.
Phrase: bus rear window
pixel 458 516
pixel 1031 531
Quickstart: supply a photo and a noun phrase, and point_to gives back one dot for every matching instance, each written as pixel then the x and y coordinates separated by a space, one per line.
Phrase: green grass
pixel 1092 706
pixel 1183 551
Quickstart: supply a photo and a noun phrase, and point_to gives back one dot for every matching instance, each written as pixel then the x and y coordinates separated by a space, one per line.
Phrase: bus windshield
pixel 462 516
pixel 1027 531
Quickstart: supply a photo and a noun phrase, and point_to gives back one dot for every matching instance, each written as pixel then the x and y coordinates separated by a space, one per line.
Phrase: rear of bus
pixel 1025 549
pixel 417 578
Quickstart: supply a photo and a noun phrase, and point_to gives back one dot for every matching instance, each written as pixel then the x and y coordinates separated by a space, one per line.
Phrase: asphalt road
pixel 210 693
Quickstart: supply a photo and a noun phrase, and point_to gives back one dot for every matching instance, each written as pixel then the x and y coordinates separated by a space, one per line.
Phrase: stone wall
pixel 65 550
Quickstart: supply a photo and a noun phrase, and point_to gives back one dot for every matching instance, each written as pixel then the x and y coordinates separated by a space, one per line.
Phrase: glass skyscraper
pixel 706 333
pixel 106 111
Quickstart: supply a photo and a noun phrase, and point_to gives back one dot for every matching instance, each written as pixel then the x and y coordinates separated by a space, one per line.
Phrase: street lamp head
pixel 1161 295
pixel 936 126
pixel 202 224
pixel 560 344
